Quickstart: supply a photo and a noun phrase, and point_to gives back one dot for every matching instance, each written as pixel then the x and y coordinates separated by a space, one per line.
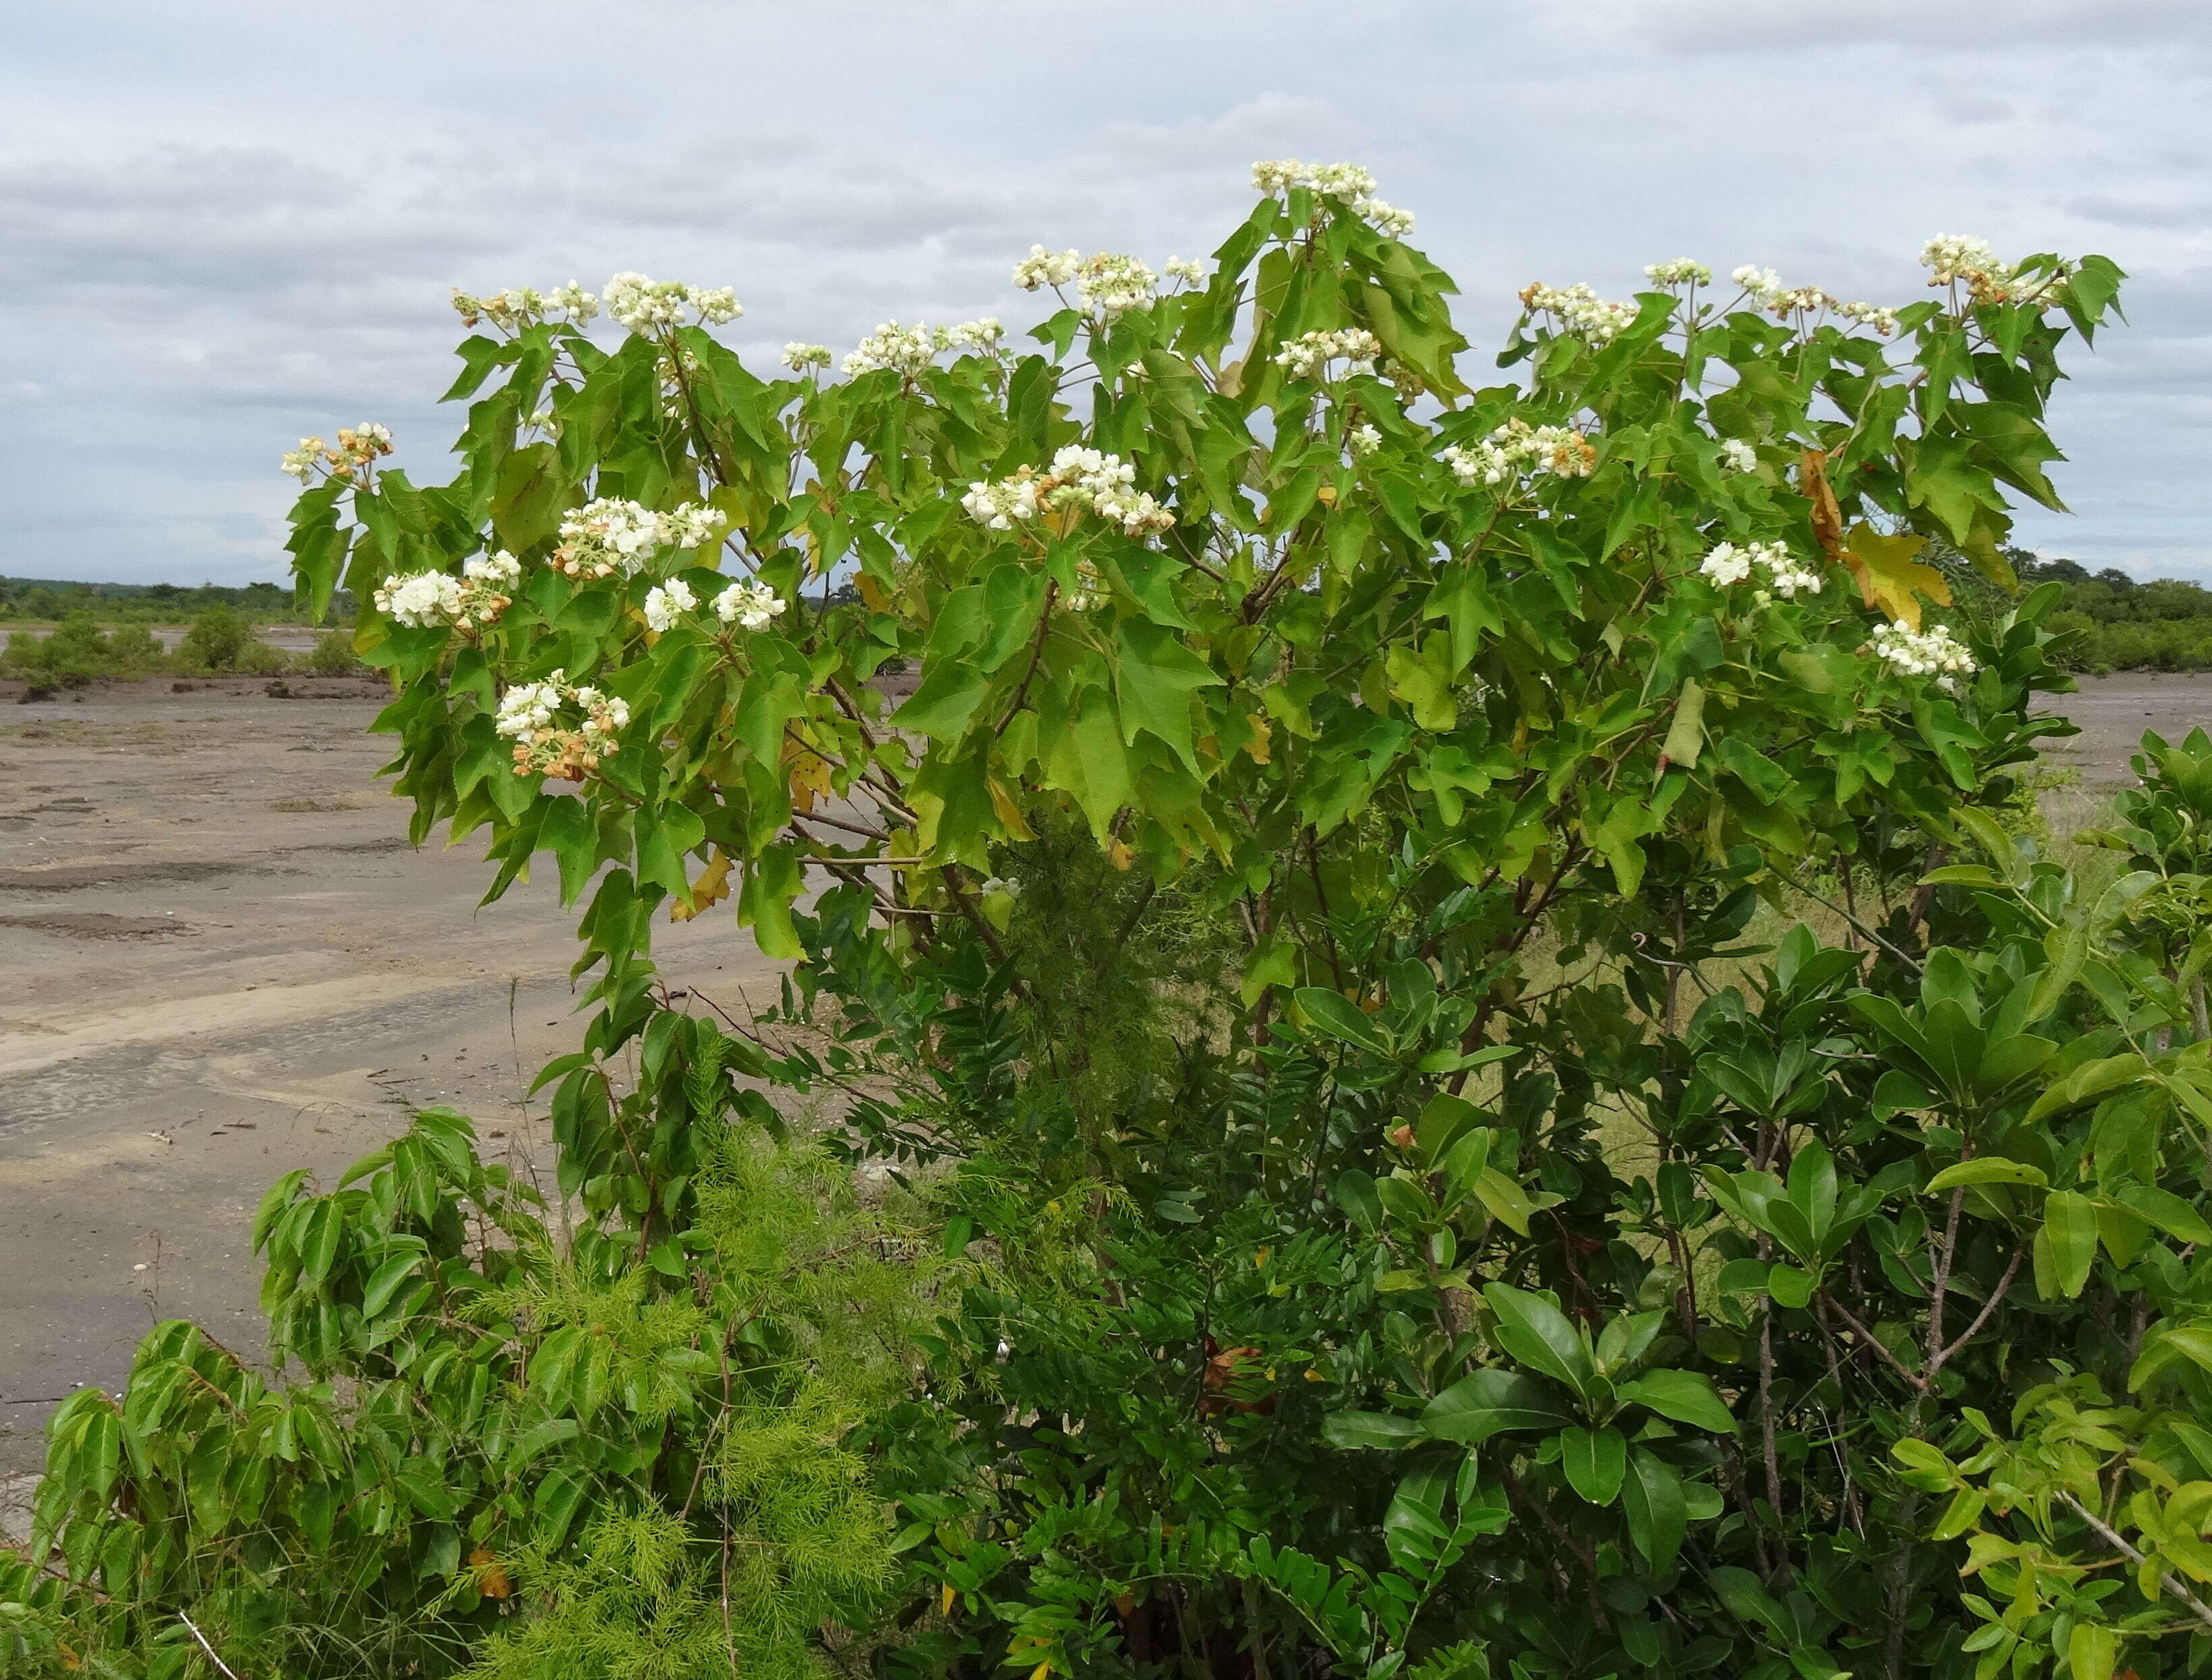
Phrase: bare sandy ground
pixel 220 959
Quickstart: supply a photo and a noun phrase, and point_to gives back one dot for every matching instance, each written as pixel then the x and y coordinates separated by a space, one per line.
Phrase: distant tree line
pixel 45 599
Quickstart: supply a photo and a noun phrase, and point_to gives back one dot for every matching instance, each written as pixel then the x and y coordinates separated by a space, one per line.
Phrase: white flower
pixel 559 730
pixel 1046 268
pixel 1087 479
pixel 1175 269
pixel 1517 448
pixel 356 447
pixel 1954 258
pixel 1951 257
pixel 421 601
pixel 1384 217
pixel 801 357
pixel 301 463
pixel 981 334
pixel 608 536
pixel 645 305
pixel 1580 311
pixel 750 606
pixel 905 351
pixel 1933 652
pixel 1310 353
pixel 1680 271
pixel 474 599
pixel 1737 456
pixel 1882 320
pixel 1365 440
pixel 665 603
pixel 1785 575
pixel 1727 564
pixel 1113 285
pixel 520 306
pixel 1346 183
pixel 1761 283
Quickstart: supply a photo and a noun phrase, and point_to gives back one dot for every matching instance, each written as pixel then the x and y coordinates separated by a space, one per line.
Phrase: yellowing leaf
pixel 1813 485
pixel 1010 813
pixel 944 1601
pixel 810 778
pixel 1120 855
pixel 870 592
pixel 1890 579
pixel 712 886
pixel 1261 746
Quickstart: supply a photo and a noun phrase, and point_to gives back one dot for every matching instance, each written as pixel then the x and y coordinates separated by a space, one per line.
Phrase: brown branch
pixel 1996 1295
pixel 1870 1340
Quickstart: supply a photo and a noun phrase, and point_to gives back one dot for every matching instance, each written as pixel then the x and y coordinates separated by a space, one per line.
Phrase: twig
pixel 1868 1337
pixel 1996 1295
pixel 205 1646
pixel 2112 1537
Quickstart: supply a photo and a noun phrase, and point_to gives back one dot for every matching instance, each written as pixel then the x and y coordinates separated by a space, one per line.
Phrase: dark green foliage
pixel 2114 623
pixel 48 598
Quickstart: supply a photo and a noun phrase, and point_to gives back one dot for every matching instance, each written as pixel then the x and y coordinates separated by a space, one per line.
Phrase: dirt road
pixel 220 959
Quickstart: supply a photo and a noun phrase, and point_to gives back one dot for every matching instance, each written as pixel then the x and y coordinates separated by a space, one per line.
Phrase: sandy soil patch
pixel 220 959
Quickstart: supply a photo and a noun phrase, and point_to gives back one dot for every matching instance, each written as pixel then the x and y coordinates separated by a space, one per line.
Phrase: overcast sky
pixel 227 223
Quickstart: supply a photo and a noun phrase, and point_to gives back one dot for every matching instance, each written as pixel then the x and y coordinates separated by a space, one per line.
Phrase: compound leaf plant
pixel 1456 1058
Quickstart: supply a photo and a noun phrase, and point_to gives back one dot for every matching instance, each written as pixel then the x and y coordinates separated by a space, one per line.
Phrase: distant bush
pixel 332 655
pixel 219 640
pixel 78 651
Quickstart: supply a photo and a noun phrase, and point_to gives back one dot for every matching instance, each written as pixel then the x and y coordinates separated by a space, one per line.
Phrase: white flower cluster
pixel 1175 269
pixel 559 730
pixel 358 445
pixel 609 537
pixel 1767 289
pixel 905 351
pixel 1728 565
pixel 520 306
pixel 472 601
pixel 1932 652
pixel 1111 283
pixel 1737 456
pixel 1517 448
pixel 908 350
pixel 1079 479
pixel 750 606
pixel 1680 271
pixel 1310 353
pixel 1957 258
pixel 1043 268
pixel 642 305
pixel 801 357
pixel 665 603
pixel 1346 183
pixel 1579 309
pixel 1363 442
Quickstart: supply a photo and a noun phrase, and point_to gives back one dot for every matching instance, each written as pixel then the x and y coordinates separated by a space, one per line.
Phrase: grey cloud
pixel 2120 212
pixel 2020 27
pixel 252 237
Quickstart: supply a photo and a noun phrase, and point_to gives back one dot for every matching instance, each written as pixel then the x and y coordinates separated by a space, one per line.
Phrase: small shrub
pixel 219 639
pixel 332 655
